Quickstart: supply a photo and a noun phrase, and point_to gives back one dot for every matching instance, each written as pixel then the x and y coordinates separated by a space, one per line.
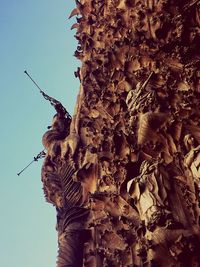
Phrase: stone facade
pixel 124 172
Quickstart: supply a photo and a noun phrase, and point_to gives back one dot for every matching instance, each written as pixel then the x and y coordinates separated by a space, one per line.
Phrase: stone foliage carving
pixel 134 141
pixel 66 194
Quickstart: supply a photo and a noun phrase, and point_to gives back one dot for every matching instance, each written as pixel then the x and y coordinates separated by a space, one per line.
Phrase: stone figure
pixel 192 158
pixel 152 201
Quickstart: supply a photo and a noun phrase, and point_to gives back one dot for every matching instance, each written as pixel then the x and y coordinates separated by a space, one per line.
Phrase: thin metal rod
pixel 33 81
pixel 39 156
pixel 55 103
pixel 26 167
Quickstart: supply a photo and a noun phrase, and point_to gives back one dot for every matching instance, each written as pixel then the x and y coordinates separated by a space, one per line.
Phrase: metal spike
pixel 55 103
pixel 39 156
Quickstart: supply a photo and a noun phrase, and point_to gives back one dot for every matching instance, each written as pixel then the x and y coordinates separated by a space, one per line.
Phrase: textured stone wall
pixel 125 176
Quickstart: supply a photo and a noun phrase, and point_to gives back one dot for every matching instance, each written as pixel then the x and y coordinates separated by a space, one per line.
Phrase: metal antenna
pixel 58 107
pixel 39 156
pixel 55 103
pixel 33 81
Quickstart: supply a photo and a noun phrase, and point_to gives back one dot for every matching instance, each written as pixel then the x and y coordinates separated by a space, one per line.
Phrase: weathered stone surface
pixel 125 178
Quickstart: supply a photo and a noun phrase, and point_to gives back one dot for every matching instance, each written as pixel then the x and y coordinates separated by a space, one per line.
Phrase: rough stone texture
pixel 125 178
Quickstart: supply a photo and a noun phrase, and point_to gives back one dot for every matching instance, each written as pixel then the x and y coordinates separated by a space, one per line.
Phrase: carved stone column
pixel 126 178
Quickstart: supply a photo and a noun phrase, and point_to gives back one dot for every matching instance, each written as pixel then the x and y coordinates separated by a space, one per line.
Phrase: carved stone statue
pixel 152 201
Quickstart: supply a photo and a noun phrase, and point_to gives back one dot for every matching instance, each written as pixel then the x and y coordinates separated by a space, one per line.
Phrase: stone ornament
pixel 124 173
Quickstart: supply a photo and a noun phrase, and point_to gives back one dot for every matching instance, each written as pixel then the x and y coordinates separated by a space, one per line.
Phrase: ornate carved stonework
pixel 124 173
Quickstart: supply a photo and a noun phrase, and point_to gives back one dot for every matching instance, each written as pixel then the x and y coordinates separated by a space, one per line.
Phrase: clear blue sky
pixel 36 36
